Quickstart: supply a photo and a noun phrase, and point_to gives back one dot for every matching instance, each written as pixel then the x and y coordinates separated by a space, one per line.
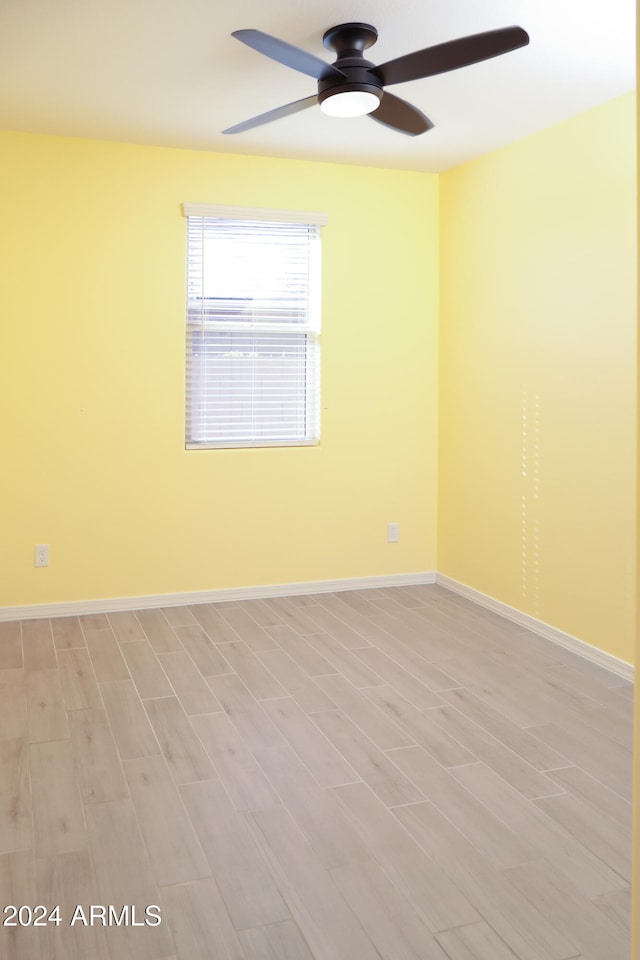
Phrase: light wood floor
pixel 393 774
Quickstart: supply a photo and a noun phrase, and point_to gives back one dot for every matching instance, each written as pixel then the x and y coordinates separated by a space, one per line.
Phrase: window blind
pixel 253 325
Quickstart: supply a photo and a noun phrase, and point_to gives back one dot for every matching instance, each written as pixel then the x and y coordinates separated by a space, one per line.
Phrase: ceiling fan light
pixel 350 103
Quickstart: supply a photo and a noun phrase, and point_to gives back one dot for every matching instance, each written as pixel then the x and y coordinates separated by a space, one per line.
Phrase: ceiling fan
pixel 352 86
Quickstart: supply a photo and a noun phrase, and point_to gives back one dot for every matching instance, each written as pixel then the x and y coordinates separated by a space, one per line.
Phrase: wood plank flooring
pixel 392 773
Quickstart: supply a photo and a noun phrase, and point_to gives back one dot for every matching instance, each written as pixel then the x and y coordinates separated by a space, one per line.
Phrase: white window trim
pixel 253 213
pixel 277 216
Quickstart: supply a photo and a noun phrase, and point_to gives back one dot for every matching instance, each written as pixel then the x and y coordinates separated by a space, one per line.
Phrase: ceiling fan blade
pixel 287 54
pixel 276 114
pixel 401 116
pixel 451 55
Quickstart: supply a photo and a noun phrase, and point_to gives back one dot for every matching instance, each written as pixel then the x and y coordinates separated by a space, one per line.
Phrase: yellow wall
pixel 635 898
pixel 536 320
pixel 538 375
pixel 92 246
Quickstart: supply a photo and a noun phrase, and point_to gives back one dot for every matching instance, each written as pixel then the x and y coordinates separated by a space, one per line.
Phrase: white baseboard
pixel 113 604
pixel 74 608
pixel 620 667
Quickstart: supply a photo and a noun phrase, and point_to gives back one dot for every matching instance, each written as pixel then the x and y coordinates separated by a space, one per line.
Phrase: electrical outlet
pixel 393 532
pixel 42 555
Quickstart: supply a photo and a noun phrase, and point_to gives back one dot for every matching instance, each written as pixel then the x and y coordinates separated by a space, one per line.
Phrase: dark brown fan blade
pixel 276 114
pixel 287 54
pixel 401 116
pixel 451 55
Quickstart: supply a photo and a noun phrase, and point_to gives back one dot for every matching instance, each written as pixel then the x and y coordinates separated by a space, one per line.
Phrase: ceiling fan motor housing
pixel 358 79
pixel 349 40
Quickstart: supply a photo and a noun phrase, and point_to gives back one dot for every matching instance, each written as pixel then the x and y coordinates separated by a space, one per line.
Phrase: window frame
pixel 308 333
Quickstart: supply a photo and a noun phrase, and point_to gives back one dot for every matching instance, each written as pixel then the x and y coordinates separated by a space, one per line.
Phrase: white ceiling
pixel 168 72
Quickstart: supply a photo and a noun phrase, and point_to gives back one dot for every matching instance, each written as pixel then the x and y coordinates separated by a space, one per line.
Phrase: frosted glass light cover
pixel 350 103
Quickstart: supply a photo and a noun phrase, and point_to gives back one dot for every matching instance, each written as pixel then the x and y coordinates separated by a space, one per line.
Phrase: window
pixel 253 325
